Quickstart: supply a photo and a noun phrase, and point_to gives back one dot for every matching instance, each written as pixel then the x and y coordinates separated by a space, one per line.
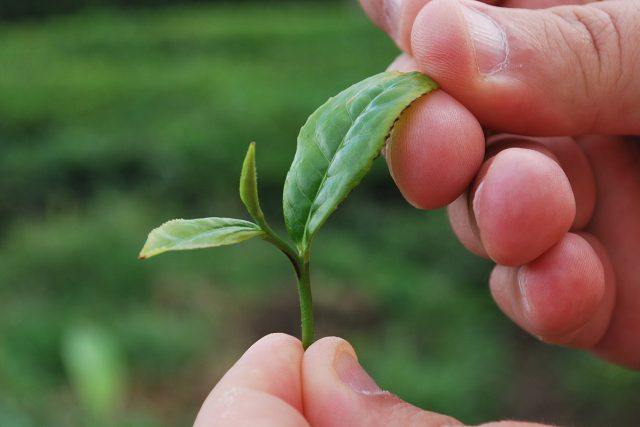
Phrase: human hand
pixel 558 215
pixel 276 383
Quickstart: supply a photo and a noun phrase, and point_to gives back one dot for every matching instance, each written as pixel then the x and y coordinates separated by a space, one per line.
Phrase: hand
pixel 276 384
pixel 559 216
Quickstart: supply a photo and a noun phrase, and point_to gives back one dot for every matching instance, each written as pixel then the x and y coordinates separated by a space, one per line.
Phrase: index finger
pixel 435 149
pixel 263 388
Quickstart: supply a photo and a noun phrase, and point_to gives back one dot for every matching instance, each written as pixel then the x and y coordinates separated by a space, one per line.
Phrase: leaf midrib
pixel 326 173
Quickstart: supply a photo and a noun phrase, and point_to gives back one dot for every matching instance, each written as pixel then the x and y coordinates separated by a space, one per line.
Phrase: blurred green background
pixel 115 119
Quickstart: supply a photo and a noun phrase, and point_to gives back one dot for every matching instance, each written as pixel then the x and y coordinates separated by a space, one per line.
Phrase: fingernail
pixel 476 201
pixel 489 41
pixel 351 373
pixel 391 9
pixel 521 276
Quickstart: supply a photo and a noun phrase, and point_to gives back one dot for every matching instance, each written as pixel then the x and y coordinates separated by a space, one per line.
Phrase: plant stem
pixel 301 266
pixel 306 305
pixel 277 241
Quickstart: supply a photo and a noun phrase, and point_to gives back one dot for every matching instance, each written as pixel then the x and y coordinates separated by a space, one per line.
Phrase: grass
pixel 111 122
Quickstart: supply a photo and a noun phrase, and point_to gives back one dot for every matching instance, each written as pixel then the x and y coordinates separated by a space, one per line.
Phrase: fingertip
pixel 319 364
pixel 523 204
pixel 240 407
pixel 264 387
pixel 278 339
pixel 272 365
pixel 563 287
pixel 556 295
pixel 339 392
pixel 327 347
pixel 345 369
pixel 593 332
pixel 435 150
pixel 440 45
pixel 277 349
pixel 572 159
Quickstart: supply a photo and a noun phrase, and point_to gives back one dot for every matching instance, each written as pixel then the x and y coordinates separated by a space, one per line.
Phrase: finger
pixel 262 389
pixel 521 204
pixel 563 70
pixel 579 172
pixel 574 164
pixel 589 335
pixel 512 424
pixel 540 4
pixel 573 161
pixel 337 392
pixel 434 151
pixel 565 296
pixel 393 15
pixel 616 224
pixel 464 225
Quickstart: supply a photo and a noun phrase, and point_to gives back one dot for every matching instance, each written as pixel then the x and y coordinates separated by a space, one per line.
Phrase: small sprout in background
pixel 96 369
pixel 336 148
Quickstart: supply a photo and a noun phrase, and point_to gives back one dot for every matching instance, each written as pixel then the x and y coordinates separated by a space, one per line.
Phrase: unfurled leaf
pixel 338 144
pixel 249 184
pixel 184 234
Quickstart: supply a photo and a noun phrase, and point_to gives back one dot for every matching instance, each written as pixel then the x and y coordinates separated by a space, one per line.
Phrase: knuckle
pixel 593 38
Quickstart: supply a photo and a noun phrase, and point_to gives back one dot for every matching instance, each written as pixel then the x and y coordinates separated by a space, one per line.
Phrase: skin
pixel 277 384
pixel 558 215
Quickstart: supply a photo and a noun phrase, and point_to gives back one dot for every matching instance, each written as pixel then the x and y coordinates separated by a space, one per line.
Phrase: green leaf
pixel 249 184
pixel 184 234
pixel 337 146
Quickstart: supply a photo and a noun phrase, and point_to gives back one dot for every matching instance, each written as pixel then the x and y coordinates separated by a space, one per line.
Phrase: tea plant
pixel 336 148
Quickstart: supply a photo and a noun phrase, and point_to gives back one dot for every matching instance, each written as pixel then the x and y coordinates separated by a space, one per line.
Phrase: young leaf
pixel 249 184
pixel 338 144
pixel 183 234
pixel 249 196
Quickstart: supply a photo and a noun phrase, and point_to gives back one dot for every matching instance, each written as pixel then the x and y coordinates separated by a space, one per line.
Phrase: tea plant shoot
pixel 336 148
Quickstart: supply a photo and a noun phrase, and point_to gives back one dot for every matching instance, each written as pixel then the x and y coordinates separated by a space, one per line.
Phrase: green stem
pixel 301 265
pixel 306 304
pixel 284 247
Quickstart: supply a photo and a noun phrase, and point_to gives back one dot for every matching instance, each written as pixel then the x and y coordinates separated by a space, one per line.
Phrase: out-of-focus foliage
pixel 34 9
pixel 95 369
pixel 111 122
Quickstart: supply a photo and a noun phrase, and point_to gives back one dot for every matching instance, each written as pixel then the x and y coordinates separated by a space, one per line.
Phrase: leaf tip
pixel 145 253
pixel 248 165
pixel 249 183
pixel 251 150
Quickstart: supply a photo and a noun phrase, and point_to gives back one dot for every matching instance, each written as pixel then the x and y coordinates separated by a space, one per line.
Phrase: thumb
pixel 337 392
pixel 563 70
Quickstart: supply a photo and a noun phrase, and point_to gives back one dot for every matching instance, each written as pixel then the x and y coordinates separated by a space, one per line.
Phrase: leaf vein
pixel 313 208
